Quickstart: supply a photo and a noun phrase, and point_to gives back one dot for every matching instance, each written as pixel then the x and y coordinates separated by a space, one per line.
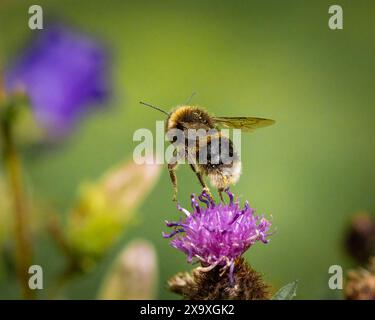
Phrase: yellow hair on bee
pixel 188 114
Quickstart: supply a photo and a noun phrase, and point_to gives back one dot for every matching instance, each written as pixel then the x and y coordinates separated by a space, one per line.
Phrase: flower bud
pixel 106 207
pixel 133 275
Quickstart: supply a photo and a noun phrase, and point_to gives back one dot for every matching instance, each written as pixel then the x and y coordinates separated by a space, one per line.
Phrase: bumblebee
pixel 223 165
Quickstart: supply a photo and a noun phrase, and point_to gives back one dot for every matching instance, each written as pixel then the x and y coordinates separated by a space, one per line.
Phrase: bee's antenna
pixel 154 107
pixel 191 97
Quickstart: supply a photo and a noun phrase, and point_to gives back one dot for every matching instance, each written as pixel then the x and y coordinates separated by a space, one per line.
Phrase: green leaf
pixel 288 292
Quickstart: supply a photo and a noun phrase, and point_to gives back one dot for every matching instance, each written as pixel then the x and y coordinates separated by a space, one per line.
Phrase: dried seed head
pixel 361 283
pixel 360 237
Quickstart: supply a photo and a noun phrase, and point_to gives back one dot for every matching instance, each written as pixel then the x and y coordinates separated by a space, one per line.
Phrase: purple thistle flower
pixel 219 233
pixel 63 73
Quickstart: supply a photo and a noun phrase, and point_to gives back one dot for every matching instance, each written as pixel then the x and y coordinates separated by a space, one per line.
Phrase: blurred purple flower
pixel 64 74
pixel 218 234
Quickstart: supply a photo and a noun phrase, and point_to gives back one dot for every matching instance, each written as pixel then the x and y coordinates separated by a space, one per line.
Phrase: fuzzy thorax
pixel 188 114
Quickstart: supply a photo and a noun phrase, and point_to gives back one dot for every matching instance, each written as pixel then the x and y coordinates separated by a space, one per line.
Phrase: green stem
pixel 23 252
pixel 73 268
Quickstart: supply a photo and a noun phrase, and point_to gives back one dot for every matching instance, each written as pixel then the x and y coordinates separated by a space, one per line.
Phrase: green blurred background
pixel 274 59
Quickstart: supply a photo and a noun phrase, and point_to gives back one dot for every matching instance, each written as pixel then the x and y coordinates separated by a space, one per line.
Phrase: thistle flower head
pixel 217 234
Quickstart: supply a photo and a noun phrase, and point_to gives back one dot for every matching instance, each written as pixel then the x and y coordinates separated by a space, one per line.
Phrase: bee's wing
pixel 243 123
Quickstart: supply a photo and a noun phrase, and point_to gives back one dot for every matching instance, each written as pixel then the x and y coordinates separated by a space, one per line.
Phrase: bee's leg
pixel 172 174
pixel 220 191
pixel 200 178
pixel 172 165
